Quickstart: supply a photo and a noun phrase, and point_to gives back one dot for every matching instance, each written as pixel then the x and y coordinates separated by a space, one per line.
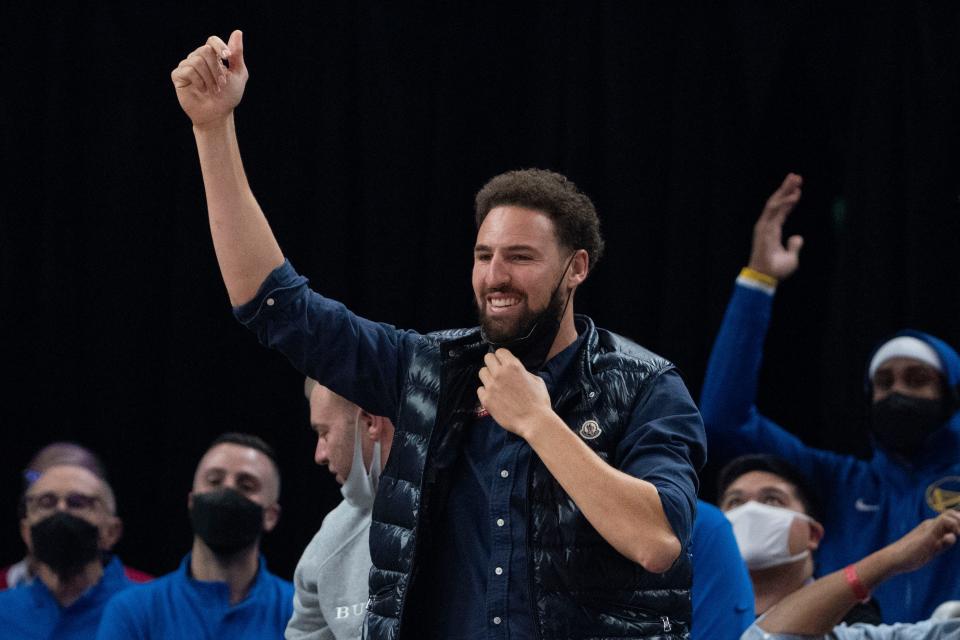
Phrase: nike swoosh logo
pixel 860 505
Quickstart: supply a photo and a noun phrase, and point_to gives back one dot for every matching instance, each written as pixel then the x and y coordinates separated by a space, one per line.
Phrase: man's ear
pixel 579 268
pixel 372 426
pixel 110 533
pixel 271 515
pixel 816 535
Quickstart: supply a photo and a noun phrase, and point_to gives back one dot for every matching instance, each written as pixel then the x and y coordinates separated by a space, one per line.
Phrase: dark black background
pixel 366 129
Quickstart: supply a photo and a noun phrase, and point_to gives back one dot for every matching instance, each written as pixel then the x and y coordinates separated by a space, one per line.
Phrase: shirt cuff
pixel 279 285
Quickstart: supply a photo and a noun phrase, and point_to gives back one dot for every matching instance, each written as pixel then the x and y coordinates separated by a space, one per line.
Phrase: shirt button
pixel 271 302
pixel 591 394
pixel 498 571
pixel 504 473
pixel 497 620
pixel 500 522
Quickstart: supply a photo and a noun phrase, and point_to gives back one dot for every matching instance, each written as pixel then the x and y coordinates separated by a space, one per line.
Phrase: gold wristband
pixel 757 276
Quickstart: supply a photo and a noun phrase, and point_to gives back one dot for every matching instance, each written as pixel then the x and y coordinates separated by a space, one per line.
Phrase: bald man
pixel 222 588
pixel 69 525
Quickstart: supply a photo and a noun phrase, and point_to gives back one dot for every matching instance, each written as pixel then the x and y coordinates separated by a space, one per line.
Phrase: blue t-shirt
pixel 722 591
pixel 177 607
pixel 31 612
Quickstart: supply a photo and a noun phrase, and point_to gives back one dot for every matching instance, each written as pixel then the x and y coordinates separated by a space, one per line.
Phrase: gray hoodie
pixel 331 577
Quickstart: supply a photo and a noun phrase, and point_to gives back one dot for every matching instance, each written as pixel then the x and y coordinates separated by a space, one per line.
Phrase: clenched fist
pixel 208 89
pixel 514 397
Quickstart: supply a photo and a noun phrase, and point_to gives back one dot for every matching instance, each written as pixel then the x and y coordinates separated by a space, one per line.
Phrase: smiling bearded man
pixel 560 505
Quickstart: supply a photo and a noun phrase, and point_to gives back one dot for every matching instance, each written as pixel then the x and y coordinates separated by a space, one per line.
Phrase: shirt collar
pixel 554 368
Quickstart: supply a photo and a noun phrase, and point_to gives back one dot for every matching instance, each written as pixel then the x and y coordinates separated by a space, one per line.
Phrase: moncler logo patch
pixel 590 430
pixel 944 494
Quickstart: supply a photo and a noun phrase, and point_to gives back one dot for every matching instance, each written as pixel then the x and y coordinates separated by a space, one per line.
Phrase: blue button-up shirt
pixel 481 562
pixel 362 360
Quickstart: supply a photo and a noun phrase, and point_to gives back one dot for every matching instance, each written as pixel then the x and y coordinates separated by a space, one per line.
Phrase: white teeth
pixel 503 302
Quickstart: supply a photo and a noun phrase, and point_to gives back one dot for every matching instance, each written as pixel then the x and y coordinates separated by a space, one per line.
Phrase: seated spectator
pixel 69 526
pixel 331 579
pixel 912 389
pixel 722 592
pixel 23 572
pixel 816 609
pixel 775 521
pixel 222 588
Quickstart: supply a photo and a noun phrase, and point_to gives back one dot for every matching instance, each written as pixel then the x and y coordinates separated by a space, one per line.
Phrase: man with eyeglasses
pixel 56 453
pixel 69 526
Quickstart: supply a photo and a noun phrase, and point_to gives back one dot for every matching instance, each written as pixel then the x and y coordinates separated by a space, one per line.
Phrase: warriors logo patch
pixel 590 430
pixel 944 494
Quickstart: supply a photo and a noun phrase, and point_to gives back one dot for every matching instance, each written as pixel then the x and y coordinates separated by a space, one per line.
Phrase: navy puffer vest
pixel 581 587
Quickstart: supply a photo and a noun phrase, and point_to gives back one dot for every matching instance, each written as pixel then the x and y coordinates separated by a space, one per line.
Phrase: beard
pixel 502 331
pixel 528 337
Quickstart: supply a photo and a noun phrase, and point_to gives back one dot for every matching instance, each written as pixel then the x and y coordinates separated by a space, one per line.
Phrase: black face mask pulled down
pixel 533 345
pixel 902 423
pixel 65 543
pixel 226 521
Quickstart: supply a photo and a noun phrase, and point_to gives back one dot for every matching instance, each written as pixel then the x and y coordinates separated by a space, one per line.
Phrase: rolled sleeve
pixel 665 445
pixel 359 359
pixel 282 283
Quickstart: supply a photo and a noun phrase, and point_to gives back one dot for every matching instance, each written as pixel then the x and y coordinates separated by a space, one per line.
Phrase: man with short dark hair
pixel 542 481
pixel 222 588
pixel 817 610
pixel 911 385
pixel 69 525
pixel 775 515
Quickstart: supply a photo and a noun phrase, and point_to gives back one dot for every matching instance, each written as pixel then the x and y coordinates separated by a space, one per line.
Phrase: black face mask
pixel 902 423
pixel 65 543
pixel 533 343
pixel 226 521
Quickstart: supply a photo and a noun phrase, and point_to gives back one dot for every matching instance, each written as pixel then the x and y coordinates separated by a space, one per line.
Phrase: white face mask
pixel 763 534
pixel 361 485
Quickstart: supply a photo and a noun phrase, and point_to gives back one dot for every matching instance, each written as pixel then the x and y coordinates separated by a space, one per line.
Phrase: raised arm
pixel 818 607
pixel 727 402
pixel 209 84
pixel 768 254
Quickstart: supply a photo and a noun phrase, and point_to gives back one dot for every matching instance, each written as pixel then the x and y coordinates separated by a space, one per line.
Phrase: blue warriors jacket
pixel 867 504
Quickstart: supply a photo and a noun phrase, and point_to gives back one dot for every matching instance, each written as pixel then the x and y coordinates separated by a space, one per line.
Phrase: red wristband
pixel 859 591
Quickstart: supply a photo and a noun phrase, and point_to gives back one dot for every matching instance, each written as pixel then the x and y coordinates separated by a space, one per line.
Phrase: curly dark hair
pixel 572 212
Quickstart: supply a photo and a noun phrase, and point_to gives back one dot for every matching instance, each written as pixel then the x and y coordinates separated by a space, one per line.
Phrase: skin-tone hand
pixel 207 89
pixel 625 510
pixel 514 397
pixel 818 607
pixel 927 540
pixel 768 254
